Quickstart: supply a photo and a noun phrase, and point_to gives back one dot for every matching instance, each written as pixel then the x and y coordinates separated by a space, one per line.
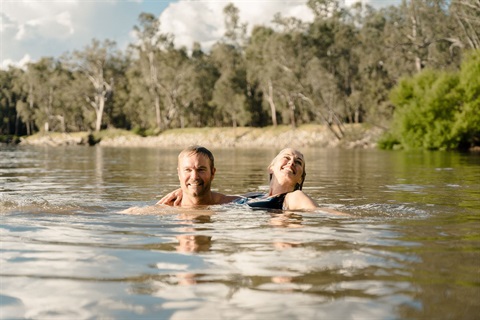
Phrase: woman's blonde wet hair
pixel 298 186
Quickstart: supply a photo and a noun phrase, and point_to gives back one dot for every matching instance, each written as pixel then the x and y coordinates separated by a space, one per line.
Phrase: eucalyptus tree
pixel 95 65
pixel 285 64
pixel 44 81
pixel 27 106
pixel 373 81
pixel 235 30
pixel 9 96
pixel 23 106
pixel 229 93
pixel 138 107
pixel 230 89
pixel 175 83
pixel 148 48
pixel 333 39
pixel 288 67
pixel 467 15
pixel 420 33
pixel 71 106
pixel 115 115
pixel 258 64
pixel 343 60
pixel 40 92
pixel 197 109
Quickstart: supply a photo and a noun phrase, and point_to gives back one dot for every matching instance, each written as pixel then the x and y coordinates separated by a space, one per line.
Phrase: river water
pixel 408 248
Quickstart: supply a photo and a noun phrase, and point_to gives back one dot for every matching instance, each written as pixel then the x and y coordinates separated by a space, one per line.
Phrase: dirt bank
pixel 355 136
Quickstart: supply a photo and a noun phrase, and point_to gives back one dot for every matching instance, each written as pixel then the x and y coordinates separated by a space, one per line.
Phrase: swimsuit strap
pixel 275 202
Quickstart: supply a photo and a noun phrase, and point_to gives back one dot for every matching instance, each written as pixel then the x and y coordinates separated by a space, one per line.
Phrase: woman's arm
pixel 298 200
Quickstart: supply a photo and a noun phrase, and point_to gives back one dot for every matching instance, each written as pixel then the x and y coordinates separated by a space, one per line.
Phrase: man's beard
pixel 200 188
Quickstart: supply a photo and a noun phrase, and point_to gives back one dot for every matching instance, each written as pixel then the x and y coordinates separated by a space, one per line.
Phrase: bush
pixel 437 110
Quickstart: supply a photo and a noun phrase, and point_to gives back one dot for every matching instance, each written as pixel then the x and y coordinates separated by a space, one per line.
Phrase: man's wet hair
pixel 195 149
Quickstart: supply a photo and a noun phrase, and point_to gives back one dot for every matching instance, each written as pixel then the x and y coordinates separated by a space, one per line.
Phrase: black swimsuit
pixel 257 201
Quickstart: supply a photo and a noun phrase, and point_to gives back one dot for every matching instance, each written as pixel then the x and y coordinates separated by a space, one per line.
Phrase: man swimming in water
pixel 196 170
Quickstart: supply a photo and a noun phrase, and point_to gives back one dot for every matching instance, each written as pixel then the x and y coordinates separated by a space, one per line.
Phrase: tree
pixel 95 64
pixel 47 82
pixel 467 121
pixel 10 95
pixel 259 66
pixel 230 90
pixel 438 109
pixel 198 111
pixel 149 46
pixel 235 33
pixel 373 81
pixel 467 14
pixel 419 34
pixel 175 83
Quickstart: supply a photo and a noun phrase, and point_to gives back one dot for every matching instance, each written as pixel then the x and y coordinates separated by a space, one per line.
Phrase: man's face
pixel 195 175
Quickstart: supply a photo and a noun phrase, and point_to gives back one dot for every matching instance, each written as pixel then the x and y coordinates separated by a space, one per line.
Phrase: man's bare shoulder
pixel 220 198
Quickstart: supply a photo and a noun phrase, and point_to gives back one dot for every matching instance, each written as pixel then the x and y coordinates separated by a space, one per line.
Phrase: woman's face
pixel 288 167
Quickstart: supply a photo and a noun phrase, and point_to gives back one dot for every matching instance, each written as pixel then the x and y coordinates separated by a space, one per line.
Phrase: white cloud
pixel 51 28
pixel 19 64
pixel 203 21
pixel 375 3
pixel 30 29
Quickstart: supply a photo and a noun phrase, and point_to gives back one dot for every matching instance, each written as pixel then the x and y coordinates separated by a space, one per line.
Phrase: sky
pixel 32 29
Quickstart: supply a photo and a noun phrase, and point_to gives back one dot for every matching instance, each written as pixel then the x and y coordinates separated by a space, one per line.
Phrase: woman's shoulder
pixel 299 200
pixel 295 194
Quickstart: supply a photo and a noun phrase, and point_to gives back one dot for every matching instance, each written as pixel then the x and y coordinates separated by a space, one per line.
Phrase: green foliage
pixel 437 110
pixel 467 120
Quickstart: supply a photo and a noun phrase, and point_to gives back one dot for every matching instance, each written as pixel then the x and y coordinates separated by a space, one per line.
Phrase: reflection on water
pixel 408 248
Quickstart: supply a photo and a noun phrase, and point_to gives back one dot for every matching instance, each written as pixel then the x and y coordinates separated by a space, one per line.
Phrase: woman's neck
pixel 276 188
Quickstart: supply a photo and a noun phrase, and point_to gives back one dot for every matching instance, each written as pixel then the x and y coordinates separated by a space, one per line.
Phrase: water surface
pixel 409 247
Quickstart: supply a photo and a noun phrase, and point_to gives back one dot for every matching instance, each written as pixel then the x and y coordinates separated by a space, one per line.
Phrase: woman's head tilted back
pixel 281 164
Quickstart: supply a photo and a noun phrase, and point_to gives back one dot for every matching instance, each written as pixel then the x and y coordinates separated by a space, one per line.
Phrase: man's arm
pixel 221 198
pixel 174 198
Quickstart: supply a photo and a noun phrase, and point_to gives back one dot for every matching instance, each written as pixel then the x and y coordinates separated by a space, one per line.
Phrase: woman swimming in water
pixel 287 174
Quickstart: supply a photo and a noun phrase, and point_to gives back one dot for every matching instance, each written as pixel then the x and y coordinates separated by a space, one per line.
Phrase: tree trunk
pixel 62 122
pixel 152 88
pixel 272 103
pixel 158 112
pixel 291 107
pixel 414 37
pixel 99 112
pixel 30 126
pixel 17 123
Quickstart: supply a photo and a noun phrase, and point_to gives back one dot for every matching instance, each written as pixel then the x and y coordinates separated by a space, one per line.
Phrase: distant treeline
pixel 340 68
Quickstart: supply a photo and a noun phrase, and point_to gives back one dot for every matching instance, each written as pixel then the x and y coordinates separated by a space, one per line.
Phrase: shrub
pixel 437 110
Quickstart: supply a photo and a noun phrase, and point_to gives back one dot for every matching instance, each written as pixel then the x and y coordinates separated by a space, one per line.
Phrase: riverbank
pixel 355 136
